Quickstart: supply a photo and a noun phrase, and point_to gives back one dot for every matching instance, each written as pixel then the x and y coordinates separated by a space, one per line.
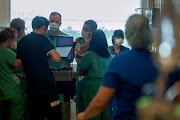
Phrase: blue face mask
pixel 54 27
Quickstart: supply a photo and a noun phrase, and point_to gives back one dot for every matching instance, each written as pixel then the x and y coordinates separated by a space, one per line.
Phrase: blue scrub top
pixel 122 49
pixel 127 73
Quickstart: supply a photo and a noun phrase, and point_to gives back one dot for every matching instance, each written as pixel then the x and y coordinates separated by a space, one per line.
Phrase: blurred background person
pixel 95 62
pixel 12 100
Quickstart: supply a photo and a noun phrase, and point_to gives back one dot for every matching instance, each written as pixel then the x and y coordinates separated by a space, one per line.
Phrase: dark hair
pixel 54 14
pixel 99 44
pixel 17 24
pixel 38 22
pixel 7 33
pixel 91 23
pixel 118 33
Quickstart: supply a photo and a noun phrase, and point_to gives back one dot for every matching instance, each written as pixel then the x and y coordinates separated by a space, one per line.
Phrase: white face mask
pixel 85 34
pixel 54 27
pixel 14 45
pixel 118 41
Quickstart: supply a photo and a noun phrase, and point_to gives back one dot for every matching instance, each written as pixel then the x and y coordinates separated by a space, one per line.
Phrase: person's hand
pixel 81 116
pixel 52 68
pixel 90 37
pixel 20 76
pixel 79 56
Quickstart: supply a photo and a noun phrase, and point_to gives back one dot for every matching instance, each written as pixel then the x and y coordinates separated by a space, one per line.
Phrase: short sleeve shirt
pixel 8 80
pixel 32 50
pixel 127 73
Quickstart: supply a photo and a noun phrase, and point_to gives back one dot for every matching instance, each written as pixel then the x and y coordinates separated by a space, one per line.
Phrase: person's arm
pixel 85 62
pixel 85 46
pixel 54 56
pixel 98 104
pixel 18 64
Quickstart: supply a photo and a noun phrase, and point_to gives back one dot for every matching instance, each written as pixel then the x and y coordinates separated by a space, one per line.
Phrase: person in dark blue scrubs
pixel 117 48
pixel 117 41
pixel 126 74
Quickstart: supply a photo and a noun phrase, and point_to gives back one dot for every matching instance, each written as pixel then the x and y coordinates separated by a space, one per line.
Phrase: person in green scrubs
pixel 95 61
pixel 52 33
pixel 19 25
pixel 82 46
pixel 11 96
pixel 80 107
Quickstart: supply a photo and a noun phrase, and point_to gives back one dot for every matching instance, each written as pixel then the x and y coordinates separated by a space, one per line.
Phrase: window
pixel 109 14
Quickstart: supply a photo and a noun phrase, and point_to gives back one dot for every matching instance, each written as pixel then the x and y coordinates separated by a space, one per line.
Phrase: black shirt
pixel 32 50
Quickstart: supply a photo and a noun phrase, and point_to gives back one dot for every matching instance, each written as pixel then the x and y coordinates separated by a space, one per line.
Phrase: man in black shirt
pixel 35 50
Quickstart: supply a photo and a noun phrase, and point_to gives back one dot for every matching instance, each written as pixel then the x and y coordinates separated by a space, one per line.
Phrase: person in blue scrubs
pixel 117 48
pixel 117 41
pixel 126 74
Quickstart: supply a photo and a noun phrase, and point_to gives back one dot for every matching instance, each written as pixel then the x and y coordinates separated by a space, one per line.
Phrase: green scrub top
pixel 95 64
pixel 18 70
pixel 58 65
pixel 79 87
pixel 96 67
pixel 9 82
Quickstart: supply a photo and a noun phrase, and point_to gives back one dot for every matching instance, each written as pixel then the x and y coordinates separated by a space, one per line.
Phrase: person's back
pixel 95 61
pixel 134 69
pixel 97 67
pixel 35 50
pixel 32 51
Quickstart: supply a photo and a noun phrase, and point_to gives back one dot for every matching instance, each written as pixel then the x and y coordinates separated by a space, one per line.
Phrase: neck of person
pixel 5 44
pixel 37 31
pixel 116 48
pixel 54 33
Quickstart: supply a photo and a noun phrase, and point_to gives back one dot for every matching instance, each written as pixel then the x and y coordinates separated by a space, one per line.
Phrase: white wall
pixel 5 11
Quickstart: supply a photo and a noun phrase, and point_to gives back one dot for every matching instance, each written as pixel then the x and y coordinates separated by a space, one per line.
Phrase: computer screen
pixel 65 47
pixel 64 41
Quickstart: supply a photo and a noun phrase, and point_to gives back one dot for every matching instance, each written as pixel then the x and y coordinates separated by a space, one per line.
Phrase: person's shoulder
pixel 88 52
pixel 123 55
pixel 125 48
pixel 26 36
pixel 10 51
pixel 3 49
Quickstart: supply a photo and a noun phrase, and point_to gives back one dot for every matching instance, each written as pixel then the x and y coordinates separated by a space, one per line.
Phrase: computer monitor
pixel 65 47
